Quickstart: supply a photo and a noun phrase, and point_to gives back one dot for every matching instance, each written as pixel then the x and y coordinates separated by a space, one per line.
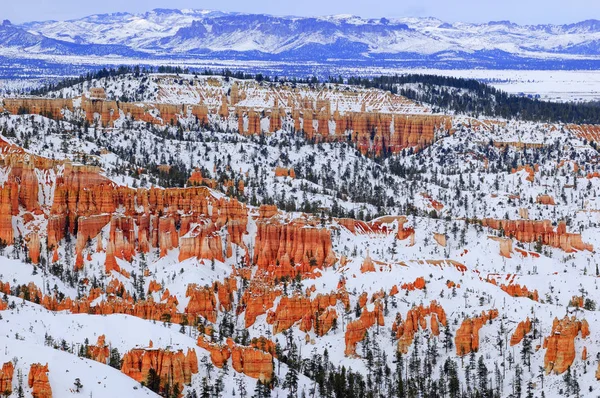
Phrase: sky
pixel 519 11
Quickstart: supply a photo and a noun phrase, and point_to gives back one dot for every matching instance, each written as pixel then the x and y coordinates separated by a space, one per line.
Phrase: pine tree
pixel 290 382
pixel 447 337
pixel 153 380
pixel 20 391
pixel 482 373
pixel 115 359
pixel 399 374
pixel 261 390
pixel 206 390
pixel 517 382
pixel 526 352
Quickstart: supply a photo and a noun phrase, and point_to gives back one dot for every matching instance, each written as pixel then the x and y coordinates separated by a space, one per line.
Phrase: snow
pixel 326 174
pixel 154 31
pixel 98 380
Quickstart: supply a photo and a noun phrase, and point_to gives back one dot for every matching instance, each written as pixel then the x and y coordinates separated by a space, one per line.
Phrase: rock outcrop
pixel 291 248
pixel 522 329
pixel 202 302
pixel 257 300
pixel 251 361
pixel 173 367
pixel 100 351
pixel 530 171
pixel 219 354
pixel 529 231
pixel 376 131
pixel 440 239
pixel 283 172
pixel 52 108
pixel 467 335
pixel 8 194
pixel 356 330
pixel 517 290
pixel 418 284
pixel 317 312
pixel 255 361
pixel 560 345
pixel 38 381
pixel 417 318
pixel 84 202
pixel 506 246
pixel 117 301
pixel 545 200
pixel 367 265
pixel 6 378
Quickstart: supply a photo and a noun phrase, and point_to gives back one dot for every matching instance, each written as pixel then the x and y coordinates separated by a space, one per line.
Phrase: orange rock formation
pixel 528 231
pixel 202 302
pixel 545 200
pixel 517 290
pixel 100 351
pixel 467 335
pixel 38 381
pixel 172 367
pixel 560 345
pixel 316 312
pixel 6 377
pixel 251 361
pixel 415 318
pixel 522 329
pixel 418 284
pixel 279 248
pixel 356 330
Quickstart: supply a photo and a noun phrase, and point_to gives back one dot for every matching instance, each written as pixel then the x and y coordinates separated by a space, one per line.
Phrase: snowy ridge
pixel 265 37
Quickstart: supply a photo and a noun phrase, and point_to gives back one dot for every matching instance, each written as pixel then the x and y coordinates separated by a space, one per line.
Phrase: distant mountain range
pixel 185 34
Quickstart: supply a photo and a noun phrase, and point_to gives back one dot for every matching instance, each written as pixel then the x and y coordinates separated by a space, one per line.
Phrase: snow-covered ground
pixel 465 172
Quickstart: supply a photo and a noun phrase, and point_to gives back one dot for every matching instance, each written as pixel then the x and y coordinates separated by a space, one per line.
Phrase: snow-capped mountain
pixel 186 33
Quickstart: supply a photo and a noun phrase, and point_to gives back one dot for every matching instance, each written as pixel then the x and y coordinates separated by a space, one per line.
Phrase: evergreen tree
pixel 153 380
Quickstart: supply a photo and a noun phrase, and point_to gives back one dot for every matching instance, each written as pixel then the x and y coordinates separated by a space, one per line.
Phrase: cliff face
pixel 38 381
pixel 373 132
pixel 85 203
pixel 467 336
pixel 528 231
pixel 172 367
pixel 202 302
pixel 6 377
pixel 287 249
pixel 52 108
pixel 7 195
pixel 251 361
pixel 317 312
pixel 560 345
